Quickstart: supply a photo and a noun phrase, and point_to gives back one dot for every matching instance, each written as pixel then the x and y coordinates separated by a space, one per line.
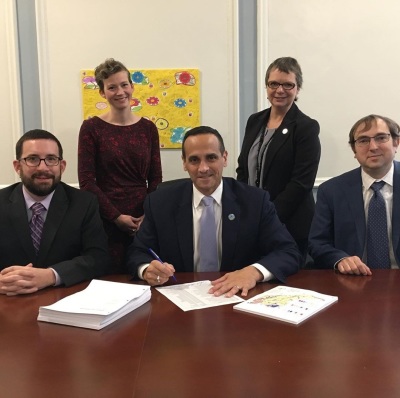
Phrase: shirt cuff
pixel 141 269
pixel 267 275
pixel 58 279
pixel 335 266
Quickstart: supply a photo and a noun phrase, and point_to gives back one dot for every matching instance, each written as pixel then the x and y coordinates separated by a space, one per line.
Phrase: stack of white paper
pixel 95 307
pixel 287 304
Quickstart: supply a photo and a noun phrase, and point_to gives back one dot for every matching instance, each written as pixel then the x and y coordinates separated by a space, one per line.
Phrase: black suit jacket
pixel 291 165
pixel 251 230
pixel 73 242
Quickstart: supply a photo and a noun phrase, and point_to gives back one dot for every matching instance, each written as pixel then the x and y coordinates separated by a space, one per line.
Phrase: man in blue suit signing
pixel 356 224
pixel 249 240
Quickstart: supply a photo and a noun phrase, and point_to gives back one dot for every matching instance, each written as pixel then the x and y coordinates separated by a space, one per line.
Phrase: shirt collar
pixel 30 201
pixel 367 180
pixel 198 196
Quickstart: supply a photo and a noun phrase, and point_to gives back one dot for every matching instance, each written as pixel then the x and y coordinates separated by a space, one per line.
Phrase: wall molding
pixel 236 83
pixel 13 68
pixel 262 52
pixel 45 83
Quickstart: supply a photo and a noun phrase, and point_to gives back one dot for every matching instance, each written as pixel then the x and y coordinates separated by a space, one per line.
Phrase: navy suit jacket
pixel 254 234
pixel 73 242
pixel 290 167
pixel 339 228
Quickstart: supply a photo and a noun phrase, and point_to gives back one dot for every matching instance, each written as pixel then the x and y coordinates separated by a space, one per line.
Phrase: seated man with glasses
pixel 50 233
pixel 356 225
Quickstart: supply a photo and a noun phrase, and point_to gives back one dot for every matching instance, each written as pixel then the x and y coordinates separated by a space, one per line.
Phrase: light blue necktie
pixel 377 235
pixel 36 224
pixel 208 252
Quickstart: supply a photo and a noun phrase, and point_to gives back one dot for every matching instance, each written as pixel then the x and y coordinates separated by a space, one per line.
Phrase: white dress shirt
pixel 197 209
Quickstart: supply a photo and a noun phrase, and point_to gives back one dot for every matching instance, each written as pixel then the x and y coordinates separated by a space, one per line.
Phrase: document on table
pixel 195 296
pixel 287 304
pixel 95 307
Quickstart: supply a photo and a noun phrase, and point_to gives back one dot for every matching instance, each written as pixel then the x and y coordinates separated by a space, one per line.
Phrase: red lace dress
pixel 121 165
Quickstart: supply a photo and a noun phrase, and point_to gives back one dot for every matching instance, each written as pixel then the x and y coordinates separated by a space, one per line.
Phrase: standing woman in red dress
pixel 118 159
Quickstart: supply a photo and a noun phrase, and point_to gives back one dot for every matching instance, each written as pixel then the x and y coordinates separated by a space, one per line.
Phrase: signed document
pixel 195 296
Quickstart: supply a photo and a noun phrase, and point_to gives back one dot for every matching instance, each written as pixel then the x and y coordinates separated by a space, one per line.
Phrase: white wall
pixel 142 34
pixel 10 120
pixel 349 53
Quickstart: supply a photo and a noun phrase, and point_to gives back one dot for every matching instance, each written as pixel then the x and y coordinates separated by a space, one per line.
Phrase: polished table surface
pixel 350 349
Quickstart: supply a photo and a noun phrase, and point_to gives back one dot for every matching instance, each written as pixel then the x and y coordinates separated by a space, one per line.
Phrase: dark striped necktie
pixel 36 224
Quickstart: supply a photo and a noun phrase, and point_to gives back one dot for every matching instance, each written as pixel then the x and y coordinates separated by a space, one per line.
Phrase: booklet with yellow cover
pixel 287 304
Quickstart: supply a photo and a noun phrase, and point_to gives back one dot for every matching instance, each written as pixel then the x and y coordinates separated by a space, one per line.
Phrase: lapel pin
pixel 231 217
pixel 285 131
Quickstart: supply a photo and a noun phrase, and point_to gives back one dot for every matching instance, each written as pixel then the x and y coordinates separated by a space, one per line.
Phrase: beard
pixel 37 188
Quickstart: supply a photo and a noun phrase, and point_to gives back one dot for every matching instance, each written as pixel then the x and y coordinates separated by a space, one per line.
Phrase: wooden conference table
pixel 351 349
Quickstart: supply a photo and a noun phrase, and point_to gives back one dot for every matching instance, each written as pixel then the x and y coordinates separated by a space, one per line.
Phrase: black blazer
pixel 291 165
pixel 251 230
pixel 73 243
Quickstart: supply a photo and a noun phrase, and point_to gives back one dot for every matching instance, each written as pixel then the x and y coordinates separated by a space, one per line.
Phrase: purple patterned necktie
pixel 36 224
pixel 208 252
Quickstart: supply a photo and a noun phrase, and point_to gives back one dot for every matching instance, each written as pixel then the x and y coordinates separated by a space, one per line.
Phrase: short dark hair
pixel 37 134
pixel 394 128
pixel 203 130
pixel 109 67
pixel 286 65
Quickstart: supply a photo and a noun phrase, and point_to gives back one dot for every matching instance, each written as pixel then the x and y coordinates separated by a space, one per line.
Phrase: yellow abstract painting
pixel 170 98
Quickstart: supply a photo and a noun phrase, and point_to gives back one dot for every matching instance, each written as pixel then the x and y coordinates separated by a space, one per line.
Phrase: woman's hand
pixel 128 223
pixel 138 221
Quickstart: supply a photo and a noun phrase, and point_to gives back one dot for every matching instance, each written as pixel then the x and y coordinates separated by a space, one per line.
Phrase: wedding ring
pixel 158 278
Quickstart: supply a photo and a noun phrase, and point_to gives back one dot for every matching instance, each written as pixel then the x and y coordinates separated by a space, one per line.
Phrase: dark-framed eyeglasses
pixel 378 139
pixel 34 161
pixel 286 86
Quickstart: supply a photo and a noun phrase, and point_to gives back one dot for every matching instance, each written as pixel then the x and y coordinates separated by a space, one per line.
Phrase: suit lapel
pixel 283 133
pixel 353 195
pixel 259 125
pixel 184 226
pixel 18 219
pixel 396 211
pixel 230 225
pixel 58 208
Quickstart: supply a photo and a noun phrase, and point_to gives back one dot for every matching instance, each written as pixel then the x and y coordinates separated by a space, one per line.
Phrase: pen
pixel 153 253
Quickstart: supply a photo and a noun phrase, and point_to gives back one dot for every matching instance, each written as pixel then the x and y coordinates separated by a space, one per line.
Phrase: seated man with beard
pixel 50 233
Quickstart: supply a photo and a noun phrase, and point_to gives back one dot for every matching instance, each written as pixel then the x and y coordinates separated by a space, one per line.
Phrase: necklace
pixel 261 153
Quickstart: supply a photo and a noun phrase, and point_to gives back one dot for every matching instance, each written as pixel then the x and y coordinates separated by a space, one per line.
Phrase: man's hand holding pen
pixel 158 273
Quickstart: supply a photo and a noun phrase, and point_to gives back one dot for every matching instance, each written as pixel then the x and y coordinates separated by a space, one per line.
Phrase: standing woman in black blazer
pixel 281 151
